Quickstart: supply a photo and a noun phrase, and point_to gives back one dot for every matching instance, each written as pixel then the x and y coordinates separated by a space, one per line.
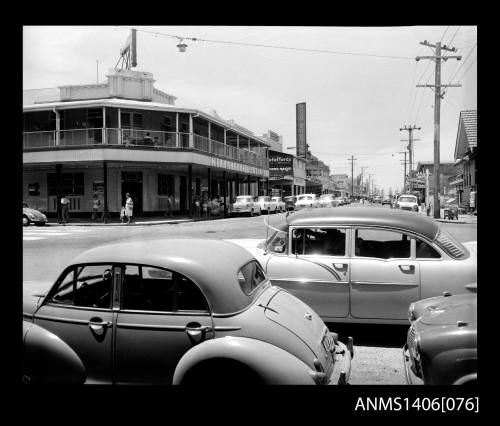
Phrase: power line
pixel 274 46
pixel 454 35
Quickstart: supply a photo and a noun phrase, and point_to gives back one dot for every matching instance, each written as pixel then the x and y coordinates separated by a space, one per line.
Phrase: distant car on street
pixel 245 204
pixel 280 204
pixel 267 205
pixel 328 200
pixel 377 199
pixel 306 200
pixel 364 265
pixel 33 216
pixel 191 311
pixel 290 202
pixel 441 347
pixel 407 202
pixel 386 200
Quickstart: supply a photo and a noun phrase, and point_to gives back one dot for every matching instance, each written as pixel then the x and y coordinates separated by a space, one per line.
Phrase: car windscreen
pixel 263 198
pixel 326 197
pixel 407 199
pixel 305 197
pixel 244 199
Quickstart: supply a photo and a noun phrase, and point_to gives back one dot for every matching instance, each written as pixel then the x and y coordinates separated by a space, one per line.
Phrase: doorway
pixel 132 183
pixel 183 193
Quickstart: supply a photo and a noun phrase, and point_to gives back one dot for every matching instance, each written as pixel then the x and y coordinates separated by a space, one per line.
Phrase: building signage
pixel 280 165
pixel 237 167
pixel 301 130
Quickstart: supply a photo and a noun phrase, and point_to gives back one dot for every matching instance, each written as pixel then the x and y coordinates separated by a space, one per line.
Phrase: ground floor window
pixel 165 184
pixel 71 183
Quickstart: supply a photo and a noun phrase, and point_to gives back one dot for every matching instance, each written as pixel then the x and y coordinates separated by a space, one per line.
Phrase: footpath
pixel 462 218
pixel 113 221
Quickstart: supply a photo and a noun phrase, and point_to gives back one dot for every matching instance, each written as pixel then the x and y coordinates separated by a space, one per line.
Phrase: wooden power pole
pixel 437 106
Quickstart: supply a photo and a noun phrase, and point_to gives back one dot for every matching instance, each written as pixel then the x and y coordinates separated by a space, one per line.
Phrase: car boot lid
pixel 459 310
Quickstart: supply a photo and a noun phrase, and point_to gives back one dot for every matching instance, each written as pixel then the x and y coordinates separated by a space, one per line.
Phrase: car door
pixel 162 315
pixel 78 310
pixel 385 277
pixel 314 272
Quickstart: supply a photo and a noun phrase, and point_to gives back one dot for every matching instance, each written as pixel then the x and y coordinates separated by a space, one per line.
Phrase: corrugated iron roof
pixel 469 119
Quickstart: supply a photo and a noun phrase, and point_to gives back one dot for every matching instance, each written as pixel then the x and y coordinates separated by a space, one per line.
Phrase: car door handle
pixel 195 329
pixel 98 326
pixel 340 265
pixel 407 268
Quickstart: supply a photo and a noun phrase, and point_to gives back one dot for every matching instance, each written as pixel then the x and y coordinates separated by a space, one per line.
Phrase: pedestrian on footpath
pixel 122 214
pixel 95 208
pixel 65 209
pixel 168 210
pixel 129 208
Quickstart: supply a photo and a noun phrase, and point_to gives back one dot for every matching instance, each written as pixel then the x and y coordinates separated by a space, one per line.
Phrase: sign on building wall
pixel 301 130
pixel 280 165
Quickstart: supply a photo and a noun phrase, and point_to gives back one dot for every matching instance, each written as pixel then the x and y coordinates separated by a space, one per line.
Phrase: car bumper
pixel 246 210
pixel 411 377
pixel 343 363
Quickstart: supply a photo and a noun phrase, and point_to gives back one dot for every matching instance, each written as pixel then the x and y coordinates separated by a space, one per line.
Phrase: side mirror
pixel 278 249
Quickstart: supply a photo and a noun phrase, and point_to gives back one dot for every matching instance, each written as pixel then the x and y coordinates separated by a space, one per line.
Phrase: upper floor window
pixel 71 183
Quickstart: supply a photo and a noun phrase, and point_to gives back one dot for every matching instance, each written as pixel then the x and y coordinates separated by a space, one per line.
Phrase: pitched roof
pixel 469 119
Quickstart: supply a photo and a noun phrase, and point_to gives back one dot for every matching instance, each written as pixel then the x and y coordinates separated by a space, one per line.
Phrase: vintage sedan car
pixel 280 204
pixel 306 200
pixel 33 216
pixel 386 200
pixel 290 202
pixel 407 202
pixel 328 200
pixel 245 204
pixel 441 347
pixel 364 265
pixel 176 312
pixel 267 204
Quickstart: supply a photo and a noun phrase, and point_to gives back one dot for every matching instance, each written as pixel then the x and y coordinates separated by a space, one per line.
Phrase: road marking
pixel 32 238
pixel 267 224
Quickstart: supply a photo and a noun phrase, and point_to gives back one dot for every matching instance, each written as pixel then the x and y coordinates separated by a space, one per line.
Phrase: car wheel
pixel 221 372
pixel 26 221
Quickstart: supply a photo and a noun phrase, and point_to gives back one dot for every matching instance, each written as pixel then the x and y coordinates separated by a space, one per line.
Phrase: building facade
pixel 287 174
pixel 464 180
pixel 446 169
pixel 128 136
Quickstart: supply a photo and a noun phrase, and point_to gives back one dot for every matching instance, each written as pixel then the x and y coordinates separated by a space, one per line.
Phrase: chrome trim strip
pixel 151 326
pixel 61 319
pixel 384 283
pixel 275 280
pixel 227 328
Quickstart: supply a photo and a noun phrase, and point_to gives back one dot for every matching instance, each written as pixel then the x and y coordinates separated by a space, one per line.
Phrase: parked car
pixel 290 202
pixel 245 204
pixel 441 348
pixel 377 199
pixel 386 200
pixel 176 311
pixel 33 216
pixel 306 200
pixel 407 202
pixel 364 265
pixel 266 204
pixel 280 204
pixel 328 200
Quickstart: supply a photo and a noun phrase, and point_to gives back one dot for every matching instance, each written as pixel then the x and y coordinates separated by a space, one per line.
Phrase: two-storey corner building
pixel 127 136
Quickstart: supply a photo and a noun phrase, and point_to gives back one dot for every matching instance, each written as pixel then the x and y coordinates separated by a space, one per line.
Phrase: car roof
pixel 212 264
pixel 367 216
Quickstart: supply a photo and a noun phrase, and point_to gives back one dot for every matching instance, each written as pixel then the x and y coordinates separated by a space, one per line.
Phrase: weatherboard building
pixel 127 136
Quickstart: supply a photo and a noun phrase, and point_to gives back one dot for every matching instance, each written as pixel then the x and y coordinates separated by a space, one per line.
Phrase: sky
pixel 358 83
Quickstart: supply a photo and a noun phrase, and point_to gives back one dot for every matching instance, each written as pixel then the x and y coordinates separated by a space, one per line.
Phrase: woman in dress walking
pixel 129 208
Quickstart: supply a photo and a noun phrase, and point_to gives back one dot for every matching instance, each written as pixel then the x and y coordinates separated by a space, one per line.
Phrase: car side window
pixel 425 251
pixel 86 286
pixel 278 242
pixel 148 288
pixel 319 241
pixel 250 276
pixel 382 244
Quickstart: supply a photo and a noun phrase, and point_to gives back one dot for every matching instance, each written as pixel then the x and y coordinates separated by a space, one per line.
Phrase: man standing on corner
pixel 65 209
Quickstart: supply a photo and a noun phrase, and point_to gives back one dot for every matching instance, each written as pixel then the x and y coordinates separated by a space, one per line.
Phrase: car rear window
pixel 407 199
pixel 451 246
pixel 250 277
pixel 244 199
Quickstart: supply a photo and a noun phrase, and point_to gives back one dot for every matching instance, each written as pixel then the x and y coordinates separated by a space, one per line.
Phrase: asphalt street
pixel 47 250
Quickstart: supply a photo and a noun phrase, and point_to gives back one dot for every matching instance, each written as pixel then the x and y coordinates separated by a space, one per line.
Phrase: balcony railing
pixel 140 138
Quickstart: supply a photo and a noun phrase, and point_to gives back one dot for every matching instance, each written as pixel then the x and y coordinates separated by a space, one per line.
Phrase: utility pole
pixel 404 175
pixel 410 150
pixel 362 169
pixel 352 173
pixel 437 108
pixel 370 179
